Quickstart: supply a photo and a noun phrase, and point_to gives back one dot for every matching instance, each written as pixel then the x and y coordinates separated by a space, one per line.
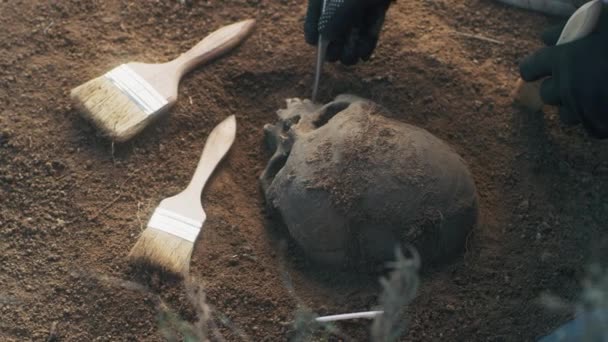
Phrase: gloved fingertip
pixel 311 33
pixel 349 59
pixel 334 51
pixel 549 92
pixel 349 55
pixel 366 47
pixel 525 71
pixel 537 65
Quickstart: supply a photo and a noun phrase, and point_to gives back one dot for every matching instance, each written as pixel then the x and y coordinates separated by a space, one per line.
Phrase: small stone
pixel 233 261
pixel 249 257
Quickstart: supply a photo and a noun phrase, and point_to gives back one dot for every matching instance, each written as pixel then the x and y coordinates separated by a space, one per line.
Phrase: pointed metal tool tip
pixel 321 52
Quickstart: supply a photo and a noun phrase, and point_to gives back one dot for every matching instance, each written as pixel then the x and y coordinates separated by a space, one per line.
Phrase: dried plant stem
pixel 399 289
pixel 478 37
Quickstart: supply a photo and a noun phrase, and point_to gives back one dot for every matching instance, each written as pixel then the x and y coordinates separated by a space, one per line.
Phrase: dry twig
pixel 478 37
pixel 107 206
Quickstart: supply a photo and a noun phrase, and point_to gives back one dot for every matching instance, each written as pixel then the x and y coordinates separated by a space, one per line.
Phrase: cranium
pixel 351 184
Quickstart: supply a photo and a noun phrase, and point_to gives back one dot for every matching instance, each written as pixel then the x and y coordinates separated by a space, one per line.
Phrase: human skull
pixel 351 184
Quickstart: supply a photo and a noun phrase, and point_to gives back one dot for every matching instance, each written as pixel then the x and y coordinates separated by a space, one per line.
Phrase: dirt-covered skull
pixel 351 184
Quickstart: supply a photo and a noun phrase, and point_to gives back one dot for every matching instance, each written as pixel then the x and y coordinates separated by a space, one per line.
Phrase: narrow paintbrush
pixel 126 99
pixel 168 240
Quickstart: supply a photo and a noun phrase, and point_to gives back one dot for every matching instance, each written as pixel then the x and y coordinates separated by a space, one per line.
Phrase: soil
pixel 72 203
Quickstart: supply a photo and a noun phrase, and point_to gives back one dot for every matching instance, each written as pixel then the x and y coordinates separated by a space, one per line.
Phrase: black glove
pixel 351 26
pixel 578 77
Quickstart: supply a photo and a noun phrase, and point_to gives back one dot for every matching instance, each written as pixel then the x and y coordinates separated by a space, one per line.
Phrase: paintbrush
pixel 126 99
pixel 168 240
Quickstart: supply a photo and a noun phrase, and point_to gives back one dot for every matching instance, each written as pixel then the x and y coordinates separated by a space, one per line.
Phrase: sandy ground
pixel 72 204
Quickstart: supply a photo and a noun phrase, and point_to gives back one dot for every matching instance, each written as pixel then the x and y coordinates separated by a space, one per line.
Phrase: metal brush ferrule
pixel 175 224
pixel 137 89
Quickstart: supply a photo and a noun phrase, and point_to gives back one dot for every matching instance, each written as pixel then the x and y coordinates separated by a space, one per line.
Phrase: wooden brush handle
pixel 527 95
pixel 214 45
pixel 217 145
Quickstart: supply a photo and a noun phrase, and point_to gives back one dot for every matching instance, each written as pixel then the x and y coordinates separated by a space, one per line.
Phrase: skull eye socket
pixel 329 112
pixel 291 121
pixel 274 166
pixel 279 140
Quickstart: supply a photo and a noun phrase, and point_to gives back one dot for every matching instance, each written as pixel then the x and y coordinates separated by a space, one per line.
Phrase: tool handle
pixel 527 95
pixel 580 24
pixel 217 145
pixel 214 45
pixel 354 315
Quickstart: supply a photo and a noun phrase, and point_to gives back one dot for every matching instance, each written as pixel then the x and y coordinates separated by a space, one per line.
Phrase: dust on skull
pixel 351 184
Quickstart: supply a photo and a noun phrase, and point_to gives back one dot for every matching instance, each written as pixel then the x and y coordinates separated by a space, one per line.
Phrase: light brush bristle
pixel 163 250
pixel 112 111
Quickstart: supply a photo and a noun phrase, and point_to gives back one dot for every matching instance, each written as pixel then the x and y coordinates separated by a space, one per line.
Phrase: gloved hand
pixel 351 26
pixel 577 77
